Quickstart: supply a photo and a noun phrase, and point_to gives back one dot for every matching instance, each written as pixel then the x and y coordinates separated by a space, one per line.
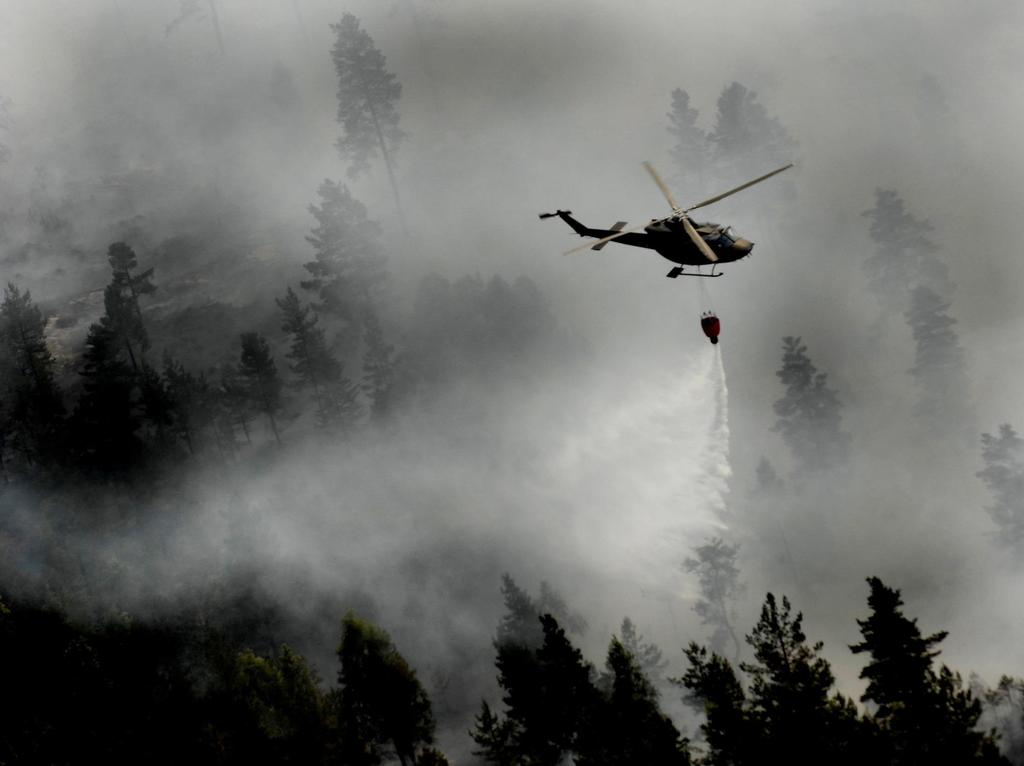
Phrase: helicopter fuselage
pixel 667 237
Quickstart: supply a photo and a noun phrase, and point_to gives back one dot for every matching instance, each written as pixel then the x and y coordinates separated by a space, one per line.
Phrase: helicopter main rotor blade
pixel 664 189
pixel 698 240
pixel 595 243
pixel 747 185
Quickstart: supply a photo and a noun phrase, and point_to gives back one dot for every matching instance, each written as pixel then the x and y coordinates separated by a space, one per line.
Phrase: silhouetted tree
pixel 927 716
pixel 905 255
pixel 349 263
pixel 380 369
pixel 105 418
pixel 519 624
pixel 192 401
pixel 367 102
pixel 381 700
pixel 733 737
pixel 789 692
pixel 263 385
pixel 627 727
pixel 334 394
pixel 691 150
pixel 33 403
pixel 939 369
pixel 1003 474
pixel 549 698
pixel 744 135
pixel 647 655
pixel 809 412
pixel 123 315
pixel 719 578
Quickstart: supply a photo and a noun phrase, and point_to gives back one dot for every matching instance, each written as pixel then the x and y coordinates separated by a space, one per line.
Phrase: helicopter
pixel 678 237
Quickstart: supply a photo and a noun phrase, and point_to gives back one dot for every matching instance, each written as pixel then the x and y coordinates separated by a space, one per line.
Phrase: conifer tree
pixel 905 255
pixel 691 150
pixel 744 135
pixel 927 716
pixel 334 394
pixel 549 698
pixel 733 737
pixel 121 301
pixel 1003 474
pixel 263 386
pixel 939 369
pixel 381 701
pixel 191 399
pixel 348 264
pixel 105 419
pixel 647 655
pixel 628 727
pixel 519 624
pixel 33 401
pixel 367 102
pixel 380 369
pixel 809 413
pixel 718 575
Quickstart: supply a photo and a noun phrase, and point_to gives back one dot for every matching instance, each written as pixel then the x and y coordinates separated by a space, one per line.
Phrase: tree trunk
pixel 386 156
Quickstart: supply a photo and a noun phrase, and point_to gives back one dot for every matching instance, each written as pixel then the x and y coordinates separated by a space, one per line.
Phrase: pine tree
pixel 744 135
pixel 905 255
pixel 691 151
pixel 263 386
pixel 1003 474
pixel 348 265
pixel 732 735
pixel 121 301
pixel 380 370
pixel 549 697
pixel 927 716
pixel 628 727
pixel 191 400
pixel 718 574
pixel 789 691
pixel 334 394
pixel 647 655
pixel 381 701
pixel 939 369
pixel 519 624
pixel 105 418
pixel 809 412
pixel 28 387
pixel 367 102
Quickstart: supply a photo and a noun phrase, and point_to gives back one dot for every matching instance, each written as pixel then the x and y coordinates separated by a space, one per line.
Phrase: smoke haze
pixel 598 470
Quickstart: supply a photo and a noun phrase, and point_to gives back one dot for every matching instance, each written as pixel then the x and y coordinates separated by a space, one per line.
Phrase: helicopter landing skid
pixel 678 272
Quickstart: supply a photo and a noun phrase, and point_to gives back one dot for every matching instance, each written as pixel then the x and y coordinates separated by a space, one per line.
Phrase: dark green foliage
pixel 262 384
pixel 927 716
pixel 33 406
pixel 121 300
pixel 718 574
pixel 789 690
pixel 731 735
pixel 105 420
pixel 647 655
pixel 381 703
pixel 809 412
pixel 367 97
pixel 334 394
pixel 1003 474
pixel 348 263
pixel 192 402
pixel 519 625
pixel 628 727
pixel 549 697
